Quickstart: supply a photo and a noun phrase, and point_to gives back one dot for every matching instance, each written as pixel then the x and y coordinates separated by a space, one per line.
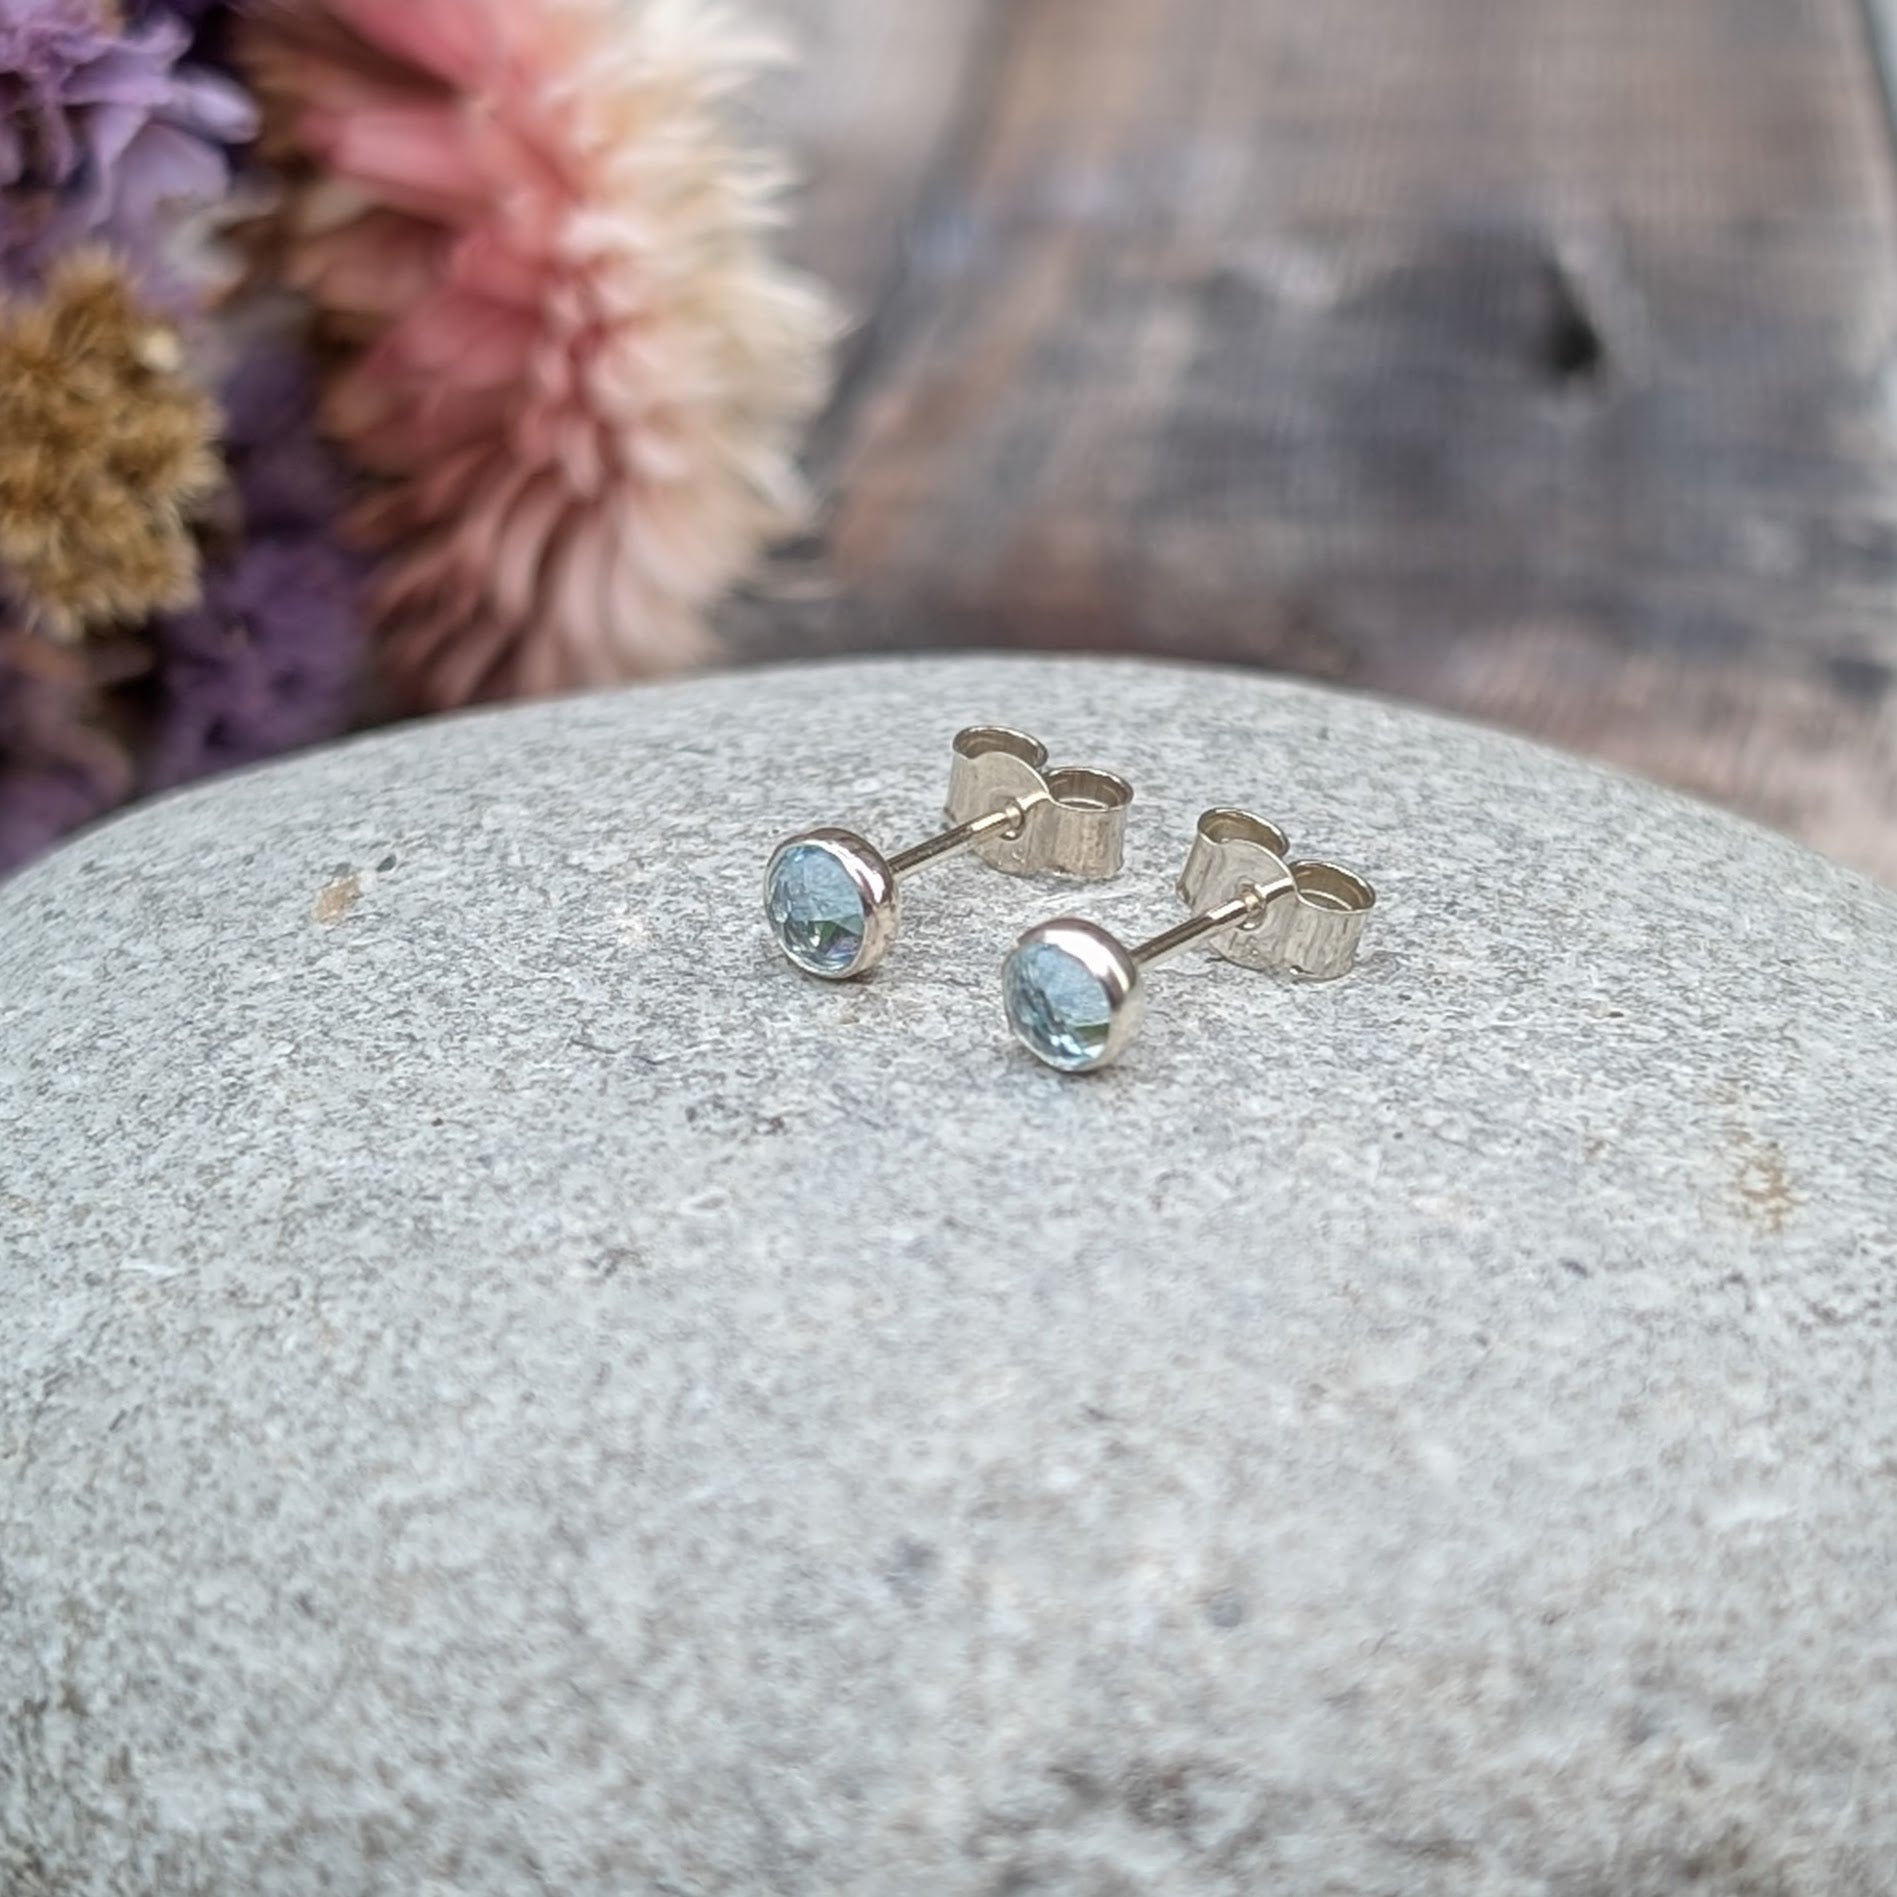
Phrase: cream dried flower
pixel 106 453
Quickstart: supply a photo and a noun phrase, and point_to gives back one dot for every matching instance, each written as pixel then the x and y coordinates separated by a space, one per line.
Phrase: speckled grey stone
pixel 509 1389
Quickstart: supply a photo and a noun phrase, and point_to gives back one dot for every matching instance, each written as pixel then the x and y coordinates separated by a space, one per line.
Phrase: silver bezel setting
pixel 1105 958
pixel 874 881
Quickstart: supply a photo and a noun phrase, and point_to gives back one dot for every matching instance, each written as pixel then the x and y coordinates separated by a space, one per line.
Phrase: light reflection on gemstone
pixel 1058 1007
pixel 816 909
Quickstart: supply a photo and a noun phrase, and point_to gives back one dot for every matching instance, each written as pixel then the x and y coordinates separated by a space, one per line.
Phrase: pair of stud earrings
pixel 1073 992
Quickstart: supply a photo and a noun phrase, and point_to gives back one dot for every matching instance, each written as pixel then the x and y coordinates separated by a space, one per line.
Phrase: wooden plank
pixel 1881 19
pixel 871 106
pixel 1532 361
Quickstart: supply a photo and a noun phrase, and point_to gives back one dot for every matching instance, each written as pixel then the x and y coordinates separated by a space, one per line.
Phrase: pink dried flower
pixel 570 356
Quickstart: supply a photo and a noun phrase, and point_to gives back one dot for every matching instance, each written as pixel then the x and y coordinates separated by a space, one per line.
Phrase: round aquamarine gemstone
pixel 816 909
pixel 1058 1006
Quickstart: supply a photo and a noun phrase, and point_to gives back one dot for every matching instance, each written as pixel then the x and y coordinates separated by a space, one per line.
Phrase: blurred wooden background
pixel 1530 358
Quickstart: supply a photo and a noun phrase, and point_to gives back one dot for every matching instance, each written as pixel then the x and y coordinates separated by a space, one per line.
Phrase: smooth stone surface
pixel 816 909
pixel 1057 1005
pixel 509 1388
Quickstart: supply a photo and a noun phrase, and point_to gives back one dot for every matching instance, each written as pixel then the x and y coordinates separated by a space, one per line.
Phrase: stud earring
pixel 1074 992
pixel 831 896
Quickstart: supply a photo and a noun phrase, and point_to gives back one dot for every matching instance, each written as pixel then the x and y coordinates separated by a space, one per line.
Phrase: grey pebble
pixel 508 1389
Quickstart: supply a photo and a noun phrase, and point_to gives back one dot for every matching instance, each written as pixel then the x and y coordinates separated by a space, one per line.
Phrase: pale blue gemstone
pixel 816 909
pixel 1058 1006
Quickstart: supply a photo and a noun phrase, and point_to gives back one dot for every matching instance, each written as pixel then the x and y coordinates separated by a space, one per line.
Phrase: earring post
pixel 1250 901
pixel 1007 818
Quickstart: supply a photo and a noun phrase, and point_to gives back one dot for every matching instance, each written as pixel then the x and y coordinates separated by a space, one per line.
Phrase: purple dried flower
pixel 290 479
pixel 102 132
pixel 59 766
pixel 268 661
pixel 273 657
pixel 39 804
pixel 192 10
pixel 209 21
